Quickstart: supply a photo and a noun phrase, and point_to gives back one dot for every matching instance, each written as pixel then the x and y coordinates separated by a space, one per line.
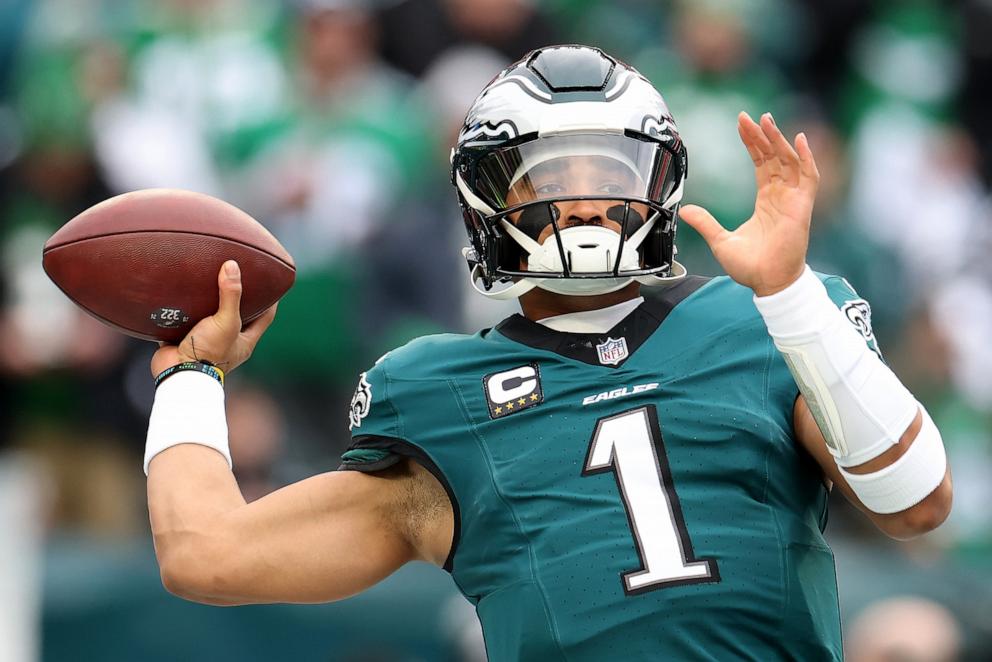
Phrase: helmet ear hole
pixel 509 253
pixel 657 247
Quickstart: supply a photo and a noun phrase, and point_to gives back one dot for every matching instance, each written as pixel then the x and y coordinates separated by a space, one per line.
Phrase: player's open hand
pixel 218 339
pixel 768 252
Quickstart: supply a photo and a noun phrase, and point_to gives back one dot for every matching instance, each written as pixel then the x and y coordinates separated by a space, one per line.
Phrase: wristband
pixel 199 366
pixel 188 409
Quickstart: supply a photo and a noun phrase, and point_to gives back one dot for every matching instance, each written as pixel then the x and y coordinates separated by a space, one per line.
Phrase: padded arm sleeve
pixel 859 404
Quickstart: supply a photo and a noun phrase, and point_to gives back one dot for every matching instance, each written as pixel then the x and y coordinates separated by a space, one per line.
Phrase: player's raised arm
pixel 321 539
pixel 865 428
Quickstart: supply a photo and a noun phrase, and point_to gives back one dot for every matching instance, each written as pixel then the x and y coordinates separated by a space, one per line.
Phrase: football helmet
pixel 569 171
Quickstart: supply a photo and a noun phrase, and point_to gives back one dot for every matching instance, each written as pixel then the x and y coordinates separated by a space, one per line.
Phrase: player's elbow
pixel 922 518
pixel 195 571
pixel 179 581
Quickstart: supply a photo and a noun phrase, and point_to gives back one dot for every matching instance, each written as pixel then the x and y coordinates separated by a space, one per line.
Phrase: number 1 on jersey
pixel 625 443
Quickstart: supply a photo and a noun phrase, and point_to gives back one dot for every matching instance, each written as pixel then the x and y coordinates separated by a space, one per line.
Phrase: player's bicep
pixel 322 539
pixel 428 503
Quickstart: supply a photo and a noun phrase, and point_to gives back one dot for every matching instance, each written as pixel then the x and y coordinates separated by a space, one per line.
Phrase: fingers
pixel 773 156
pixel 783 150
pixel 703 222
pixel 809 174
pixel 228 314
pixel 254 331
pixel 754 139
pixel 759 148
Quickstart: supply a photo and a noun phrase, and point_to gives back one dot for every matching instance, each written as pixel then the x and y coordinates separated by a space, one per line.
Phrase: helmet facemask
pixel 578 214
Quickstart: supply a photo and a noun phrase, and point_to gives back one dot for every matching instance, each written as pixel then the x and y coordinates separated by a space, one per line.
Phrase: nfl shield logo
pixel 612 351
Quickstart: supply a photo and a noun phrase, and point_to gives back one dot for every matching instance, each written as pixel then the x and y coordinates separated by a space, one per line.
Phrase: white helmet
pixel 563 125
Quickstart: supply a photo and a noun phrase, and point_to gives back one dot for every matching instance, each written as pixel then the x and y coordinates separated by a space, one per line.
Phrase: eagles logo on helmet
pixel 569 114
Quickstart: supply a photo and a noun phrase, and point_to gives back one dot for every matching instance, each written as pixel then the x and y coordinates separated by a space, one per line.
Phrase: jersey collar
pixel 635 327
pixel 592 321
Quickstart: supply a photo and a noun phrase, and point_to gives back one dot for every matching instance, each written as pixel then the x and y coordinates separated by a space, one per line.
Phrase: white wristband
pixel 908 480
pixel 188 409
pixel 859 404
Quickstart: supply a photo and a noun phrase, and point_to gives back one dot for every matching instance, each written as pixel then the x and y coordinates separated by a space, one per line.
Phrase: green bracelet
pixel 198 366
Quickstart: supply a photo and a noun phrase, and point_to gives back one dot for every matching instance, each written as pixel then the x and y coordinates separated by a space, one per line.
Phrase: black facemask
pixel 536 217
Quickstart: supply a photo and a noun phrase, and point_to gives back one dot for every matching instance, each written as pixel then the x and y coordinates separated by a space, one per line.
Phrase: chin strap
pixel 525 285
pixel 517 289
pixel 678 273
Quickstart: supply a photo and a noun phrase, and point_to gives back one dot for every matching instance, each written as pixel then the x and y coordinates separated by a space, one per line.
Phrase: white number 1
pixel 625 443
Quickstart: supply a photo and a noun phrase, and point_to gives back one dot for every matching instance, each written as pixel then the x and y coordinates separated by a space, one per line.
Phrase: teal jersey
pixel 634 495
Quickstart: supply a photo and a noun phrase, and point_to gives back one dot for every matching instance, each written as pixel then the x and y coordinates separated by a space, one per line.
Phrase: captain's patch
pixel 513 390
pixel 360 403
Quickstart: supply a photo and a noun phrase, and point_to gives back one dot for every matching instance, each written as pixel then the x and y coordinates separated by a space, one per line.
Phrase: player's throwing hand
pixel 218 339
pixel 768 252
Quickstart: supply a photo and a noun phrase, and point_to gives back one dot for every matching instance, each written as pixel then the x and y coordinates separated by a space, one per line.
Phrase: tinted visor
pixel 579 165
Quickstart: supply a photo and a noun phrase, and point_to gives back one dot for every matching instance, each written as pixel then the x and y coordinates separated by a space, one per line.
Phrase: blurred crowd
pixel 331 122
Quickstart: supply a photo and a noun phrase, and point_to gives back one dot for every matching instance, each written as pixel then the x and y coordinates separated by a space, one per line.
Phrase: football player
pixel 606 476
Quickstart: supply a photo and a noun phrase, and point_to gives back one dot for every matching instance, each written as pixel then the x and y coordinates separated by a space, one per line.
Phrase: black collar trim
pixel 636 327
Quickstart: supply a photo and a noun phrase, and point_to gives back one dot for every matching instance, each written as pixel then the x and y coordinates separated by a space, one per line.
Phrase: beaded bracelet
pixel 198 366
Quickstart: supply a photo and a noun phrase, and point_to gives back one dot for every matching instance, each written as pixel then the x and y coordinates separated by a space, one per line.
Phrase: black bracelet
pixel 198 366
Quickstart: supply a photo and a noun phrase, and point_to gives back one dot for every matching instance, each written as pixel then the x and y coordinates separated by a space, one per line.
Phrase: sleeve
pixel 378 434
pixel 376 437
pixel 782 384
pixel 856 309
pixel 379 439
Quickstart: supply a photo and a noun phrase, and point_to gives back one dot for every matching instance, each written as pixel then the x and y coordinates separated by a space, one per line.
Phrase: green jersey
pixel 634 495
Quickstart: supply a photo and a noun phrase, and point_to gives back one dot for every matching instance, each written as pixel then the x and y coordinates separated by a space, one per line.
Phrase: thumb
pixel 229 282
pixel 703 222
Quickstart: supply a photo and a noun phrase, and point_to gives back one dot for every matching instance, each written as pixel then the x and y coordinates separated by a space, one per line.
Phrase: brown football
pixel 146 262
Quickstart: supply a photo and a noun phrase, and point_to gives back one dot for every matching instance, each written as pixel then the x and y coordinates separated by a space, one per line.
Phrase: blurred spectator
pixel 61 370
pixel 904 629
pixel 344 149
pixel 415 32
pixel 446 92
pixel 839 244
pixel 324 179
pixel 257 433
pixel 47 174
pixel 200 75
pixel 328 179
pixel 918 191
pixel 976 52
pixel 619 27
pixel 906 53
pixel 708 72
pixel 828 30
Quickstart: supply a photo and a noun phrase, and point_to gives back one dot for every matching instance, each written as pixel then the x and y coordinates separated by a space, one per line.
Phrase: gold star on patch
pixel 509 405
pixel 521 402
pixel 498 410
pixel 533 397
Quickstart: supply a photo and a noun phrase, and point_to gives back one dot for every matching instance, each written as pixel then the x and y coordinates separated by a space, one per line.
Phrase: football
pixel 146 262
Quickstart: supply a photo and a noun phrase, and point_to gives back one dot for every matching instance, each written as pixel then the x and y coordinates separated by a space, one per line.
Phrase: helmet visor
pixel 558 200
pixel 599 166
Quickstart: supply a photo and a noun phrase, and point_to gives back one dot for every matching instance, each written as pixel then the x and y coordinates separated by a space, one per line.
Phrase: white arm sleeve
pixel 859 404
